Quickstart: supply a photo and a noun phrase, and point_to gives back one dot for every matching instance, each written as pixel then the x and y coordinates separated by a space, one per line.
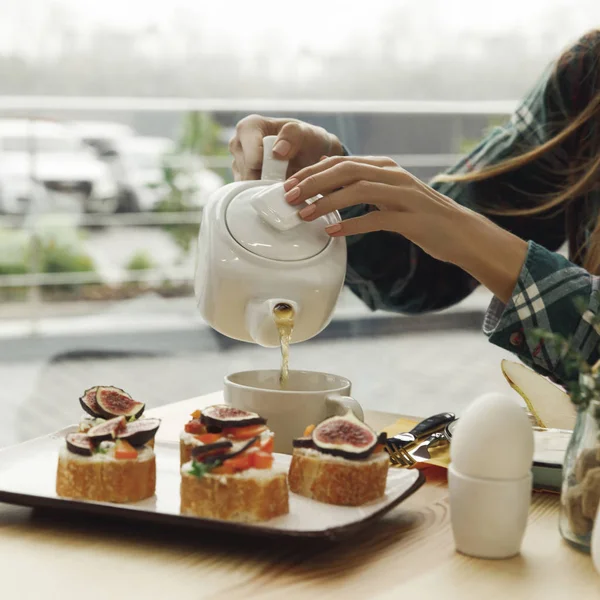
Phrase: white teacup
pixel 308 398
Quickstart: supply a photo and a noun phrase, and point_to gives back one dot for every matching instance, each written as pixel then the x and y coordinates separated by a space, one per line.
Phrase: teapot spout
pixel 260 319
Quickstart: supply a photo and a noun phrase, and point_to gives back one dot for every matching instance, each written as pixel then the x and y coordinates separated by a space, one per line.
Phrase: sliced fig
pixel 109 430
pixel 86 424
pixel 114 402
pixel 218 448
pixel 88 402
pixel 213 429
pixel 237 450
pixel 303 442
pixel 140 432
pixel 223 415
pixel 241 448
pixel 344 436
pixel 80 443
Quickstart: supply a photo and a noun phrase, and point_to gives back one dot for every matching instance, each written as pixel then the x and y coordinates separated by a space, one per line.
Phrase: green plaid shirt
pixel 388 272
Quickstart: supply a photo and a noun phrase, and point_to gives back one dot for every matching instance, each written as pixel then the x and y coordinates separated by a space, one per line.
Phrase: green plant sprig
pixel 581 379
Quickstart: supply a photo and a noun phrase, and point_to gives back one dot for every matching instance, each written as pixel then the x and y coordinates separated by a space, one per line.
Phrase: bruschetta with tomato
pixel 221 421
pixel 230 475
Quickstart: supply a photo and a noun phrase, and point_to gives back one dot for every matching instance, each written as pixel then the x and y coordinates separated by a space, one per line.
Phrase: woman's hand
pixel 300 143
pixel 406 205
pixel 441 227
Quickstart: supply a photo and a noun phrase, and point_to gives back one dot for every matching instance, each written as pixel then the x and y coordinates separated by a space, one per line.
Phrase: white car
pixel 139 164
pixel 35 151
pixel 102 135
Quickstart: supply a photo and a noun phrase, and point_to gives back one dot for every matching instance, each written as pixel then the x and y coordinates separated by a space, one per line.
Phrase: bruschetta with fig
pixel 110 458
pixel 340 461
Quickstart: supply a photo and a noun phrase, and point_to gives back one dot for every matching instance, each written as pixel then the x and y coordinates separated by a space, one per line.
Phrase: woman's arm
pixel 533 287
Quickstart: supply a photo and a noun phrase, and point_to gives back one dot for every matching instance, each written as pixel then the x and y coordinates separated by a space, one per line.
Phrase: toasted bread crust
pixel 117 481
pixel 341 482
pixel 185 452
pixel 234 498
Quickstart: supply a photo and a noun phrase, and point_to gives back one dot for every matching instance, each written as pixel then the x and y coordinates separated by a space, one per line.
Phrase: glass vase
pixel 580 493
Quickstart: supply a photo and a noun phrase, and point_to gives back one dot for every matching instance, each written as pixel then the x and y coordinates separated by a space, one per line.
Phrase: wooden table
pixel 47 555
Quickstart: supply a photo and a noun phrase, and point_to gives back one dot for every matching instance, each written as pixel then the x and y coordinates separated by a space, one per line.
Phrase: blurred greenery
pixel 59 258
pixel 13 294
pixel 199 136
pixel 140 261
pixel 183 234
pixel 51 256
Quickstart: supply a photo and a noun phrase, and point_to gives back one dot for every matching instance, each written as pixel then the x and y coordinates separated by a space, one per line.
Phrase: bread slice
pixel 103 478
pixel 248 497
pixel 336 480
pixel 185 452
pixel 187 442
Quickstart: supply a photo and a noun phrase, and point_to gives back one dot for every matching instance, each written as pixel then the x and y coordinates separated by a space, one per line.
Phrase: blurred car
pixel 49 154
pixel 139 165
pixel 102 136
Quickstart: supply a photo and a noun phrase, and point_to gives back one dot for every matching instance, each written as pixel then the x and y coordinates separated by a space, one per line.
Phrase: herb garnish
pixel 199 469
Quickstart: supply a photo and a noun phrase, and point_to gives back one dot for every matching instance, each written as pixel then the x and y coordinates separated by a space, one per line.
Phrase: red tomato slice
pixel 224 469
pixel 239 463
pixel 244 433
pixel 267 446
pixel 208 438
pixel 194 426
pixel 262 460
pixel 125 450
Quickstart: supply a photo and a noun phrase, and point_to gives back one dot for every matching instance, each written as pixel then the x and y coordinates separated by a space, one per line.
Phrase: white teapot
pixel 255 253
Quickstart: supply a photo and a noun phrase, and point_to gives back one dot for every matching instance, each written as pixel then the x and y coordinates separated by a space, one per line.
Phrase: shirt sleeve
pixel 555 296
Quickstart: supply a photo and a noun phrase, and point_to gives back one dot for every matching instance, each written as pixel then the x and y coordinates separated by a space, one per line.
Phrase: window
pixel 109 282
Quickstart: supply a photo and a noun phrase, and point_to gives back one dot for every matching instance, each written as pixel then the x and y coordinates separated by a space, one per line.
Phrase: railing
pixel 250 105
pixel 29 104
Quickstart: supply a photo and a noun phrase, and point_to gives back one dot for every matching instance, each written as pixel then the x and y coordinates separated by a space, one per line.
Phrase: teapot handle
pixel 273 169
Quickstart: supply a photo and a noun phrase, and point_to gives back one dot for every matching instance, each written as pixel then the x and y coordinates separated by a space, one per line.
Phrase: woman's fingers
pixel 329 162
pixel 362 192
pixel 341 175
pixel 241 172
pixel 373 221
pixel 246 146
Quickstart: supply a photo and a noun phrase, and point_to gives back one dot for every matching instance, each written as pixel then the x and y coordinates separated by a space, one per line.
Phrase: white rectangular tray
pixel 28 477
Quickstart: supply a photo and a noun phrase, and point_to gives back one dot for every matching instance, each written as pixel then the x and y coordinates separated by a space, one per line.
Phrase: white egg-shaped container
pixel 490 479
pixel 493 439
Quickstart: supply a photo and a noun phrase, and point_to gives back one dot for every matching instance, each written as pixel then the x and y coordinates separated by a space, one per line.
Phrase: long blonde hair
pixel 582 172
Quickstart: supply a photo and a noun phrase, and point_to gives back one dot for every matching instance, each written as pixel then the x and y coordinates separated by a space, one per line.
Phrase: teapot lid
pixel 252 231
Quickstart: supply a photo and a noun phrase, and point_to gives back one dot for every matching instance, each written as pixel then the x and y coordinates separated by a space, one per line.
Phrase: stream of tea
pixel 284 321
